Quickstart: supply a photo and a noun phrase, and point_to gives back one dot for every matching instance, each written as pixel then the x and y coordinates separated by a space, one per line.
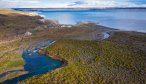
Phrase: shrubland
pixel 116 60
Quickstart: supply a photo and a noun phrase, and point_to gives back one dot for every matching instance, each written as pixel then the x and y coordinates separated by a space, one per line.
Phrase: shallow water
pixel 124 19
pixel 36 64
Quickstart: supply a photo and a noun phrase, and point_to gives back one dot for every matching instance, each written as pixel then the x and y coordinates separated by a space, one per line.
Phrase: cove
pixel 36 64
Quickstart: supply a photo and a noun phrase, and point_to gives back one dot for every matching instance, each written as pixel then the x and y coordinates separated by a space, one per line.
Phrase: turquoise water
pixel 124 19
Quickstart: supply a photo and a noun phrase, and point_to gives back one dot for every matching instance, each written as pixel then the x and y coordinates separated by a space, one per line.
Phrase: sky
pixel 71 3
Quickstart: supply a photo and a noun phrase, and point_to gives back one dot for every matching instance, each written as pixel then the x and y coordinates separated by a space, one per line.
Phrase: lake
pixel 124 19
pixel 36 64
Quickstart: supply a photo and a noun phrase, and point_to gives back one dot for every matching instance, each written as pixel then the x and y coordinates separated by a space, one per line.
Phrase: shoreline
pixel 54 57
pixel 42 51
pixel 74 24
pixel 106 34
pixel 81 23
pixel 64 63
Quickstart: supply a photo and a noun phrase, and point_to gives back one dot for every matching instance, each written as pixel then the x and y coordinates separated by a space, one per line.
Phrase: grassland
pixel 117 60
pixel 11 12
pixel 11 59
pixel 13 26
pixel 120 59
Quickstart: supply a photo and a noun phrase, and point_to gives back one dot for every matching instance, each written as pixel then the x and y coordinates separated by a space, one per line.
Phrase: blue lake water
pixel 36 64
pixel 124 19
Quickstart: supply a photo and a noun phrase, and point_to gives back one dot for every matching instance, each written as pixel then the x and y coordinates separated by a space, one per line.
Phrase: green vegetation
pixel 11 59
pixel 13 25
pixel 116 60
pixel 9 55
pixel 121 59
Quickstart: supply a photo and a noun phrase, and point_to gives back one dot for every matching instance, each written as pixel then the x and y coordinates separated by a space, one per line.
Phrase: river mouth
pixel 36 63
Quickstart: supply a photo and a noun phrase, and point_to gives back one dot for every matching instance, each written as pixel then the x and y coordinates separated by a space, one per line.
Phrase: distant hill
pixel 13 12
pixel 14 23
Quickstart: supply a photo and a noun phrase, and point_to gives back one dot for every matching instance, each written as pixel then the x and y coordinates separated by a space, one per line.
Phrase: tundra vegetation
pixel 13 38
pixel 120 59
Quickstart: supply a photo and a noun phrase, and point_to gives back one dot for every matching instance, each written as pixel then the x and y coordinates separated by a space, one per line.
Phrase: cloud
pixel 94 3
pixel 108 3
pixel 17 3
pixel 70 4
pixel 30 4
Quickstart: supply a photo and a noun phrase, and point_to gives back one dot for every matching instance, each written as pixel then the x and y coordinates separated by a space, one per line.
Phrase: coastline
pixel 120 42
pixel 124 41
pixel 58 58
pixel 43 51
pixel 77 23
pixel 129 22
